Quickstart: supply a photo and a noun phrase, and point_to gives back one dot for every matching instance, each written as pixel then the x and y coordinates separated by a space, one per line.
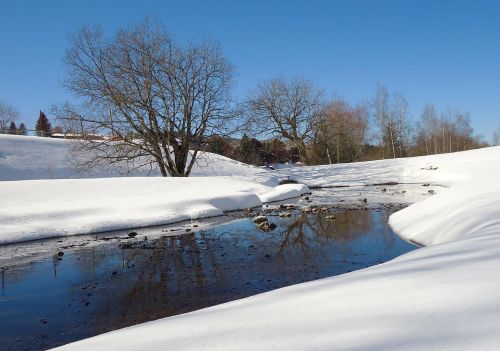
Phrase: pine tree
pixel 12 128
pixel 22 129
pixel 43 127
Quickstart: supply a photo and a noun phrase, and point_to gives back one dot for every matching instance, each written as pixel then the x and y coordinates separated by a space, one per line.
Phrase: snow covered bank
pixel 470 209
pixel 37 209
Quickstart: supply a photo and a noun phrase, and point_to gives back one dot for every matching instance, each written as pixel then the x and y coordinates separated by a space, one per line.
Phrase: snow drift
pixel 471 209
pixel 38 209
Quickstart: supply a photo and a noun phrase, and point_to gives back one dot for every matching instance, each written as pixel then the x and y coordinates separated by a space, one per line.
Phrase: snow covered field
pixel 27 157
pixel 441 297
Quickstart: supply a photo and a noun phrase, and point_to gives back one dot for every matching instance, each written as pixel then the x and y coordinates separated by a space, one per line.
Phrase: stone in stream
pixel 330 217
pixel 266 226
pixel 259 219
pixel 430 191
pixel 132 234
pixel 287 207
pixel 285 214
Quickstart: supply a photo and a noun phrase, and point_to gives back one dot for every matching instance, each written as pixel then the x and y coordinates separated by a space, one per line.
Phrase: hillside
pixel 29 157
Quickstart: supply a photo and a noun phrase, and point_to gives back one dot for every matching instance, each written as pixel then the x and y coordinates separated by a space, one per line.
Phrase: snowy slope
pixel 27 157
pixel 444 169
pixel 23 157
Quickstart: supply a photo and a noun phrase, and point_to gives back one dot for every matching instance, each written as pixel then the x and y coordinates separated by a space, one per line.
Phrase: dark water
pixel 89 291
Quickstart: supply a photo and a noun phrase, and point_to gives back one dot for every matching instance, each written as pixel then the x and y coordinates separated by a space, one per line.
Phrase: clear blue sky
pixel 445 52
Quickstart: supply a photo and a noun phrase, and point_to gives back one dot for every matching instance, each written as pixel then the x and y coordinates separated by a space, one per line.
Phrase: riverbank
pixel 440 297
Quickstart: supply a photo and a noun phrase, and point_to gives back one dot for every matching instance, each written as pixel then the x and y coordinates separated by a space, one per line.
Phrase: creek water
pixel 57 299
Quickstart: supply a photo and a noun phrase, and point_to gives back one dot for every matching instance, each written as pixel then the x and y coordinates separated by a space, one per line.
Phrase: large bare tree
pixel 147 100
pixel 288 108
pixel 8 114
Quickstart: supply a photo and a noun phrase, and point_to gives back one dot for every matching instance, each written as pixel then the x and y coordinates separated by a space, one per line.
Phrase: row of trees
pixel 253 151
pixel 161 102
pixel 8 119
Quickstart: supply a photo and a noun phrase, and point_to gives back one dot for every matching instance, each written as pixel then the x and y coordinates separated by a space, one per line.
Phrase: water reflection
pixel 94 290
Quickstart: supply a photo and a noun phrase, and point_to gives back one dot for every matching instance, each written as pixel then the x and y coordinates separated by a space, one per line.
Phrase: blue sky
pixel 444 52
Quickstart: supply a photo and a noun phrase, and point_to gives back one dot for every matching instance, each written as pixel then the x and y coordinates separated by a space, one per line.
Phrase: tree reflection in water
pixel 116 285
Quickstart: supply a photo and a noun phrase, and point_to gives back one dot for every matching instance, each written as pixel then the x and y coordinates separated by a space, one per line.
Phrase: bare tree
pixel 341 133
pixel 288 108
pixel 428 118
pixel 147 99
pixel 402 125
pixel 496 136
pixel 382 116
pixel 8 114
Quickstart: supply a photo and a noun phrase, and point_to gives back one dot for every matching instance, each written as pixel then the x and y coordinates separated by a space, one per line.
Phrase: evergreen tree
pixel 22 129
pixel 13 128
pixel 43 127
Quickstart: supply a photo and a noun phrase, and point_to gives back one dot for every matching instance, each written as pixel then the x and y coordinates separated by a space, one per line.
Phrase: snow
pixel 30 157
pixel 443 296
pixel 444 169
pixel 283 192
pixel 470 209
pixel 37 209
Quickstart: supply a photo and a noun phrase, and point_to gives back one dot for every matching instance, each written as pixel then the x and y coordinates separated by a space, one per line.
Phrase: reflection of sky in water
pixel 93 290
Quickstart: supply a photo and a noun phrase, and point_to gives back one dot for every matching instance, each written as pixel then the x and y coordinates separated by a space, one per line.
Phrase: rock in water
pixel 260 219
pixel 266 226
pixel 132 234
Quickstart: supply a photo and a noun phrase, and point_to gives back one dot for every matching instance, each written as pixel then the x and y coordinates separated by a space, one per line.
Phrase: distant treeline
pixel 339 132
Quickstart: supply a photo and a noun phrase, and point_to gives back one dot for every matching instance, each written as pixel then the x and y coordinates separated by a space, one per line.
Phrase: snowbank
pixel 37 209
pixel 283 192
pixel 471 209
